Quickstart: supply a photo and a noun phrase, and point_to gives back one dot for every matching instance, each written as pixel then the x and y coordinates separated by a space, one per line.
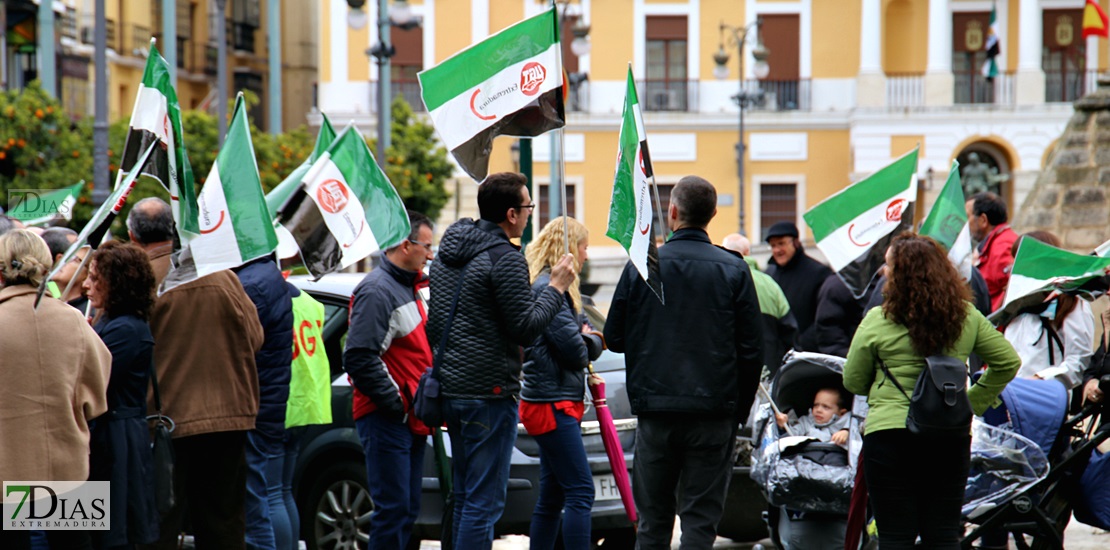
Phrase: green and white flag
pixel 854 227
pixel 1040 269
pixel 275 199
pixel 993 47
pixel 41 208
pixel 630 210
pixel 508 84
pixel 346 210
pixel 157 118
pixel 947 223
pixel 235 226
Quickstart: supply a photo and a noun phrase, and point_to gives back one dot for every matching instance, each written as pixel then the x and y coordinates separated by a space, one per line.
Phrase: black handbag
pixel 427 404
pixel 162 451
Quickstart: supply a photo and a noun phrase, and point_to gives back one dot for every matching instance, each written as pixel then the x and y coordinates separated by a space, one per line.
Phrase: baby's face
pixel 825 406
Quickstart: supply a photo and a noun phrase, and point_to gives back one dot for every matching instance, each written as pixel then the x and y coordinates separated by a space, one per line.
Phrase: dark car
pixel 330 478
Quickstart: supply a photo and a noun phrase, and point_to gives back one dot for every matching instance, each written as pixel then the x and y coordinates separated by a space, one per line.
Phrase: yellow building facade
pixel 851 85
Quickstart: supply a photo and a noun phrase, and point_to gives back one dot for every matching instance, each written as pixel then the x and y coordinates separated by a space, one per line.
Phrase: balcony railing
pixel 1068 86
pixel 211 58
pixel 905 90
pixel 781 95
pixel 139 40
pixel 578 100
pixel 668 95
pixel 973 88
pixel 88 33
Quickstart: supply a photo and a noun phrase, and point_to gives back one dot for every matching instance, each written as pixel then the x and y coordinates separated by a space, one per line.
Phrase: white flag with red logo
pixel 854 227
pixel 508 84
pixel 346 208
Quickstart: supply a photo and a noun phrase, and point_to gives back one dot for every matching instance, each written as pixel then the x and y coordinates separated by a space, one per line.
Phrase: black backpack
pixel 939 404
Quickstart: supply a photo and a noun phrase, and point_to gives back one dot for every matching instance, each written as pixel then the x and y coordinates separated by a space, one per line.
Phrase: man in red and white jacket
pixel 387 352
pixel 987 220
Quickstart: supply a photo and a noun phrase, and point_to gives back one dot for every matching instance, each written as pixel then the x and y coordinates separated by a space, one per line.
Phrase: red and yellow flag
pixel 1095 22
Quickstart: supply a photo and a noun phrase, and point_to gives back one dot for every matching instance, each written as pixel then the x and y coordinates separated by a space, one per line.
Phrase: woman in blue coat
pixel 120 286
pixel 552 397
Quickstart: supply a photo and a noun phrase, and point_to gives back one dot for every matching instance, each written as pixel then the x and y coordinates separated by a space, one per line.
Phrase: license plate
pixel 605 487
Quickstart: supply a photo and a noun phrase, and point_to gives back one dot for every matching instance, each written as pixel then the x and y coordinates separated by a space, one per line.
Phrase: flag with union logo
pixel 508 84
pixel 233 224
pixel 346 208
pixel 630 208
pixel 854 227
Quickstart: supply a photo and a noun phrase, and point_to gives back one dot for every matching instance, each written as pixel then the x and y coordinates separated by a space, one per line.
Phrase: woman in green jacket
pixel 916 482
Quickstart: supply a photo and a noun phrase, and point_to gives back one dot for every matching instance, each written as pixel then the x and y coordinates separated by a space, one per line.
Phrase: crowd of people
pixel 507 332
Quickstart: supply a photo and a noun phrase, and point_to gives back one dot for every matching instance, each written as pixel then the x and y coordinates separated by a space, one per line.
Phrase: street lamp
pixel 738 37
pixel 398 14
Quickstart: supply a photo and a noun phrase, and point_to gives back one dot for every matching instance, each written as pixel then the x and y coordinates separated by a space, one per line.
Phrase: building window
pixel 246 17
pixel 782 87
pixel 666 87
pixel 406 63
pixel 540 216
pixel 253 82
pixel 1064 57
pixel 969 53
pixel 778 202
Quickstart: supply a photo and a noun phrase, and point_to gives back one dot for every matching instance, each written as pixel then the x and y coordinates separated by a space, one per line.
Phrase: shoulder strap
pixel 154 385
pixel 438 357
pixel 891 377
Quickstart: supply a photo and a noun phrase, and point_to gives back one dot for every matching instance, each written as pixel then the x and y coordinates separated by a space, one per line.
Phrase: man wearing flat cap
pixel 799 276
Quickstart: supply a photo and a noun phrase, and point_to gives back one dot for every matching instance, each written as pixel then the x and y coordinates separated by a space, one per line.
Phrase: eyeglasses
pixel 528 206
pixel 427 246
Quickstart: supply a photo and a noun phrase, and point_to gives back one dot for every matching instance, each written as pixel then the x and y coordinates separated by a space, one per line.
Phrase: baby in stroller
pixel 806 465
pixel 827 419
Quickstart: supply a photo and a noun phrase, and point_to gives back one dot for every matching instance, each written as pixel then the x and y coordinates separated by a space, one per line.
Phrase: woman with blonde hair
pixel 55 371
pixel 552 395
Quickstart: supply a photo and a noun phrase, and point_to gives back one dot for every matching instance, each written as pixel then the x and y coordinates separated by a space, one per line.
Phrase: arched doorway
pixel 994 169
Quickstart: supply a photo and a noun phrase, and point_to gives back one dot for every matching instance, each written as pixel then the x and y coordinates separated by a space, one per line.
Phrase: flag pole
pixel 563 188
pixel 562 167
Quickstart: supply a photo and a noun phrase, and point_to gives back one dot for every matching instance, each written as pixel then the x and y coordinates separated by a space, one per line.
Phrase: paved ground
pixel 1077 537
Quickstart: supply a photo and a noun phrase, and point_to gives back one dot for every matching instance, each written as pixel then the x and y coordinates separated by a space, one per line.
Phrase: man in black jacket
pixel 480 363
pixel 692 366
pixel 799 276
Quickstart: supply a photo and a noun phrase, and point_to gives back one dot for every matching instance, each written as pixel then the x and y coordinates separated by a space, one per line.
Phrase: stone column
pixel 939 81
pixel 1029 81
pixel 871 82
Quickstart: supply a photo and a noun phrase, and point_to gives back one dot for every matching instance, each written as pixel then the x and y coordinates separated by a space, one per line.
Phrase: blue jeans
pixel 395 472
pixel 482 432
pixel 287 526
pixel 264 457
pixel 565 483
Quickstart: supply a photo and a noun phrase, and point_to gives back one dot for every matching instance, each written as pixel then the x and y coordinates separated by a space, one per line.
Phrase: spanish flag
pixel 1095 22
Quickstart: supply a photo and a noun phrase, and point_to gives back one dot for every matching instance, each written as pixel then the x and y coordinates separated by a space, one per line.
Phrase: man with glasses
pixel 480 364
pixel 58 240
pixel 387 351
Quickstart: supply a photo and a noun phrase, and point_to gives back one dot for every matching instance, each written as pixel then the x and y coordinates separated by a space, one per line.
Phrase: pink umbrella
pixel 612 445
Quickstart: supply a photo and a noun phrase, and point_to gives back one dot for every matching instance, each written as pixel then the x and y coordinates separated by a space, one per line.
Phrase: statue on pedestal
pixel 978 177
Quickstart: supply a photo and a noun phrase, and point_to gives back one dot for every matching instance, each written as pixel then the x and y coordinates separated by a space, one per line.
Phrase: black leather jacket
pixel 700 354
pixel 555 363
pixel 497 313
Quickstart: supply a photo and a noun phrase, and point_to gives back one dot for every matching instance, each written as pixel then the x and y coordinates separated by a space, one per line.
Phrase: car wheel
pixel 341 508
pixel 616 539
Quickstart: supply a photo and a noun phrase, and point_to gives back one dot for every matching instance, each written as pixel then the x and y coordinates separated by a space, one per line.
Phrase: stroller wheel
pixel 1058 511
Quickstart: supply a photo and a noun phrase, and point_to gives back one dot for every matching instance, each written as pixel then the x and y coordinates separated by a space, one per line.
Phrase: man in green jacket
pixel 779 325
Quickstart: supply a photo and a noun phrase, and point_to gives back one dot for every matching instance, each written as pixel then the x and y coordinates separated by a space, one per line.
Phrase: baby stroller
pixel 808 484
pixel 1027 460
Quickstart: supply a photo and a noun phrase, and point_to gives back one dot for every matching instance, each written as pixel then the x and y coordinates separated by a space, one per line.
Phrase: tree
pixel 415 163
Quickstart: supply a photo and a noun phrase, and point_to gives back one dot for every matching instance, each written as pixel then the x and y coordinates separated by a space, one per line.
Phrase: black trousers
pixel 681 465
pixel 210 483
pixel 916 485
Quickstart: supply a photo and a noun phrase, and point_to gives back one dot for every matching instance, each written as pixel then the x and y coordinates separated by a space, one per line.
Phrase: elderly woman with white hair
pixel 55 371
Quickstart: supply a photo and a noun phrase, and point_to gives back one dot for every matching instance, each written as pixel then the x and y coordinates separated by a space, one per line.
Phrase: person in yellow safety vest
pixel 309 403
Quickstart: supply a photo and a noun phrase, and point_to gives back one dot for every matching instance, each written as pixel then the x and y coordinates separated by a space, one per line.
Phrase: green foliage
pixel 42 148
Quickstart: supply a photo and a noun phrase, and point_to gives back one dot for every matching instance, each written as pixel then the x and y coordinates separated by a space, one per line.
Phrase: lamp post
pixel 398 14
pixel 738 37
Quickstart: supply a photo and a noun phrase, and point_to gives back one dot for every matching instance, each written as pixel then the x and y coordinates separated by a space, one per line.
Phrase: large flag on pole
pixel 1039 270
pixel 38 209
pixel 346 210
pixel 630 209
pixel 947 223
pixel 275 199
pixel 101 220
pixel 156 118
pixel 235 226
pixel 854 227
pixel 508 84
